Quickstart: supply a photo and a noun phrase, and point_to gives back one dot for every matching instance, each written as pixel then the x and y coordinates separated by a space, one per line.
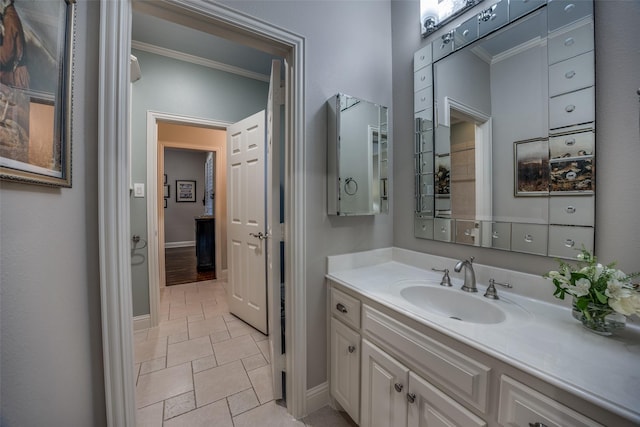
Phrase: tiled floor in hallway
pixel 202 366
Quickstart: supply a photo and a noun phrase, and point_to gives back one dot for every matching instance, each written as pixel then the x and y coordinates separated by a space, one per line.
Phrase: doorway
pixel 114 201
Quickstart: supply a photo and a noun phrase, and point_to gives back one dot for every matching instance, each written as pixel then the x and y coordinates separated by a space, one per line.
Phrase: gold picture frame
pixel 36 91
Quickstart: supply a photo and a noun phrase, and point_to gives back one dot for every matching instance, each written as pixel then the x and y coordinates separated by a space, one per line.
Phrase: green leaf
pixel 582 303
pixel 601 297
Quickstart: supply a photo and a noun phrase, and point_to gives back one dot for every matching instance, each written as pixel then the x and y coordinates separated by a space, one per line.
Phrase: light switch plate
pixel 138 190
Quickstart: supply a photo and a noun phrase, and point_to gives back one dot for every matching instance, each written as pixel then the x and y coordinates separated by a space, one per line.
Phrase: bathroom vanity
pixel 406 351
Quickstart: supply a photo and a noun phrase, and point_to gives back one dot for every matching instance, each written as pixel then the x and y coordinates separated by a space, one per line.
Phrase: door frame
pixel 155 215
pixel 113 190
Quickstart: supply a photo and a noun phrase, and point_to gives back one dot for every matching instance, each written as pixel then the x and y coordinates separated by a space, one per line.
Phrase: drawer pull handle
pixel 570 74
pixel 569 41
pixel 569 8
pixel 467 232
pixel 528 238
pixel 570 108
pixel 495 235
pixel 465 33
pixel 411 397
pixel 422 58
pixel 569 141
pixel 443 229
pixel 341 308
pixel 570 209
pixel 351 348
pixel 424 98
pixel 398 387
pixel 423 78
pixel 537 425
pixel 569 243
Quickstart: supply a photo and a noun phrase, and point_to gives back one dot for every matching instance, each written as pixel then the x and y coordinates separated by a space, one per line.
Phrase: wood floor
pixel 180 267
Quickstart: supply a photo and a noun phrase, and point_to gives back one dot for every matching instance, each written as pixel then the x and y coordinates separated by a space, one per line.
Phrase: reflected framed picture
pixel 573 176
pixel 167 191
pixel 36 89
pixel 531 160
pixel 185 191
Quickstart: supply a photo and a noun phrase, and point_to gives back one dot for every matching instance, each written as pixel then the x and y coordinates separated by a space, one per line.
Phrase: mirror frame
pixel 426 224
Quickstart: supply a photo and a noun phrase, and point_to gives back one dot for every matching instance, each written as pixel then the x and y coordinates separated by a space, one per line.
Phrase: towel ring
pixel 350 186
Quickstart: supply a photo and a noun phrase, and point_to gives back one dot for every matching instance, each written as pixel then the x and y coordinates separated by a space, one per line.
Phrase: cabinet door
pixel 429 407
pixel 384 388
pixel 345 368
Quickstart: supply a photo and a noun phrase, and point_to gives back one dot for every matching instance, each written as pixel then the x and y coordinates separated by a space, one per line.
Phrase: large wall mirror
pixel 357 157
pixel 505 146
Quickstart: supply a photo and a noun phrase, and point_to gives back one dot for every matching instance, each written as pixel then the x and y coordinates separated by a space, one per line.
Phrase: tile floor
pixel 202 366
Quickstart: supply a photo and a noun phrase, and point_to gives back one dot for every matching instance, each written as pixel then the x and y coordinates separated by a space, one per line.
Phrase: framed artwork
pixel 165 203
pixel 167 191
pixel 36 89
pixel 531 160
pixel 185 191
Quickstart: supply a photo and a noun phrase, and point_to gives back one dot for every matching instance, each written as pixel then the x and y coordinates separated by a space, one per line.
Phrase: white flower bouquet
pixel 597 290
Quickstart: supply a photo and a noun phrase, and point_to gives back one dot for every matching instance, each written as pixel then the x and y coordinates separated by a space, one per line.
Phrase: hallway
pixel 202 366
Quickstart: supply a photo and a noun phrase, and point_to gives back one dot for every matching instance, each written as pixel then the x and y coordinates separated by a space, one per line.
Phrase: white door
pixel 274 230
pixel 384 388
pixel 246 244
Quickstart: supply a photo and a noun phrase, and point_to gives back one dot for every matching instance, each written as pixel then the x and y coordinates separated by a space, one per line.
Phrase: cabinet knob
pixel 352 348
pixel 569 243
pixel 570 209
pixel 411 397
pixel 570 74
pixel 569 8
pixel 569 141
pixel 465 33
pixel 398 387
pixel 569 41
pixel 528 238
pixel 341 308
pixel 569 108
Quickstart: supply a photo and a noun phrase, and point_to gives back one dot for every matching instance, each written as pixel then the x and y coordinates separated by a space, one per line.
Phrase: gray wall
pixel 617 133
pixel 348 49
pixel 179 223
pixel 51 353
pixel 176 87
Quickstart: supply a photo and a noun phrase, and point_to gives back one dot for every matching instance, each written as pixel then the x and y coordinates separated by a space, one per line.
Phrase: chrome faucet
pixel 469 275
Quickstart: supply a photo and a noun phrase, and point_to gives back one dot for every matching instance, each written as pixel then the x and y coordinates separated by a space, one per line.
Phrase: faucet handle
pixel 491 290
pixel 446 280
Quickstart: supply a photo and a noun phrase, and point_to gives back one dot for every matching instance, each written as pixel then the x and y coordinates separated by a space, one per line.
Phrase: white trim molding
pixel 317 397
pixel 180 56
pixel 141 322
pixel 185 244
pixel 113 213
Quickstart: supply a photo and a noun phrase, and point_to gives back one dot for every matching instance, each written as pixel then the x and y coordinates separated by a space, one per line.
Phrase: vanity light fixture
pixel 435 13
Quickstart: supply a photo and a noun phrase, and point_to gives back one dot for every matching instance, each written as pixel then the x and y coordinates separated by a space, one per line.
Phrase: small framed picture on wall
pixel 185 191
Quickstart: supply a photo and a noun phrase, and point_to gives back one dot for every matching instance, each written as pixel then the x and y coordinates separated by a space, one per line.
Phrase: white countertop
pixel 543 340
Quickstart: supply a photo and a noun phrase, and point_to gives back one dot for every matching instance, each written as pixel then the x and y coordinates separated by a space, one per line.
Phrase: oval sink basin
pixel 453 303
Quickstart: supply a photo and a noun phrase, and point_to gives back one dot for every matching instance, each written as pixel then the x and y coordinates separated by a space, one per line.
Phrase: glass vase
pixel 599 318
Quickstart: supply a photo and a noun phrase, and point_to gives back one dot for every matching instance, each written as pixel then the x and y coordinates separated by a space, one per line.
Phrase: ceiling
pixel 158 32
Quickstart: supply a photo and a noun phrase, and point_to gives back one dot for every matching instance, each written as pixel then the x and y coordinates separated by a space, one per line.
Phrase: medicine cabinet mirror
pixel 505 125
pixel 357 162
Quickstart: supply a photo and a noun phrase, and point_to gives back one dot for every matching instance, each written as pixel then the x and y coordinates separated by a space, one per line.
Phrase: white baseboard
pixel 169 245
pixel 141 322
pixel 317 397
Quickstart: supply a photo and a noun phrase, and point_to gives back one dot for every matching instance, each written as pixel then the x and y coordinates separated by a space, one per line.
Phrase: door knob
pixel 260 235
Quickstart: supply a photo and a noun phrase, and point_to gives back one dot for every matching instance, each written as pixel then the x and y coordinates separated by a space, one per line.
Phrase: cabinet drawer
pixel 518 8
pixel 529 238
pixel 466 32
pixel 422 58
pixel 572 74
pixel 576 210
pixel 564 12
pixel 426 118
pixel 572 109
pixel 441 365
pixel 493 17
pixel 571 43
pixel 566 241
pixel 523 406
pixel 496 235
pixel 423 99
pixel 422 79
pixel 468 232
pixel 576 144
pixel 346 308
pixel 442 46
pixel 442 227
pixel 423 228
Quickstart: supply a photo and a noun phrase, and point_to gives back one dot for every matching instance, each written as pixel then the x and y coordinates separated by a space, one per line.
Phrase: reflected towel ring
pixel 350 186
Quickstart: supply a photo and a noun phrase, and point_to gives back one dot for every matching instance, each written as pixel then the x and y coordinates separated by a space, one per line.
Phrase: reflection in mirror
pixel 357 159
pixel 507 150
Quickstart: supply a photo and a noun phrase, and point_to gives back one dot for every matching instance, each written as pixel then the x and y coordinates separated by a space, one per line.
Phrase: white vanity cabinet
pixel 388 369
pixel 344 347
